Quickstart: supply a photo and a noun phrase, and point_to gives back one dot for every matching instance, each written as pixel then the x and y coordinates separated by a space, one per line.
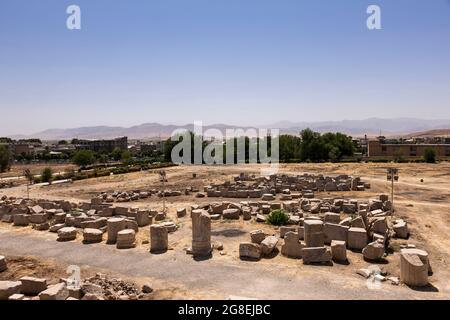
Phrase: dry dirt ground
pixel 35 168
pixel 425 205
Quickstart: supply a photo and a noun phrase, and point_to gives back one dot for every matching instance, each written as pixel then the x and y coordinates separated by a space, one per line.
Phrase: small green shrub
pixel 429 155
pixel 47 175
pixel 278 217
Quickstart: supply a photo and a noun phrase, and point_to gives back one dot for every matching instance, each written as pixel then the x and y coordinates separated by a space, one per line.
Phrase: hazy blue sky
pixel 229 61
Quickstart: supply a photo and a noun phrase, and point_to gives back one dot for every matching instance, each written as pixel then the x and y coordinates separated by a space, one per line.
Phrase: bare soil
pixel 425 205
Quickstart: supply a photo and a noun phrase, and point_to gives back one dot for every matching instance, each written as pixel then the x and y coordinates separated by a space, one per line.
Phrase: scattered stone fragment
pixel 8 288
pixel 231 214
pixel 268 245
pixel 292 247
pixel 401 229
pixel 366 273
pixel 56 292
pixel 338 250
pixel 17 296
pixel 249 250
pixel 33 286
pixel 260 218
pixel 181 212
pixel 67 234
pixel 316 255
pixel 257 236
pixel 147 288
pixel 92 235
pixel 374 251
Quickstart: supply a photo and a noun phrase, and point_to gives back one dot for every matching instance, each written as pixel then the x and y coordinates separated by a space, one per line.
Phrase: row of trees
pixel 309 146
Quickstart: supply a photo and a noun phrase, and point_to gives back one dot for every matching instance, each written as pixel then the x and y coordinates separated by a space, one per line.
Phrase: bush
pixel 83 158
pixel 429 155
pixel 47 175
pixel 278 217
pixel 5 159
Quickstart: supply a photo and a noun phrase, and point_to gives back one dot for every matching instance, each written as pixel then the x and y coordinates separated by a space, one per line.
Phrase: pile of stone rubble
pixel 245 186
pixel 136 195
pixel 98 287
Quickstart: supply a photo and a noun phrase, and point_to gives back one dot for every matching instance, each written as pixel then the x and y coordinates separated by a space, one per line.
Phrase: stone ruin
pixel 120 224
pixel 136 195
pixel 289 186
pixel 318 230
pixel 201 233
pixel 98 287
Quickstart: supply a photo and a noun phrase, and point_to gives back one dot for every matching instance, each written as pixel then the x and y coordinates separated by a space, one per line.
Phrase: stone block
pixel 413 271
pixel 181 212
pixel 231 214
pixel 257 236
pixel 92 235
pixel 286 229
pixel 316 255
pixel 201 233
pixel 268 245
pixel 8 288
pixel 330 217
pixel 357 238
pixel 56 292
pixel 20 220
pixel 67 234
pixel 159 239
pixel 249 250
pixel 292 247
pixel 126 239
pixel 114 225
pixel 374 251
pixel 33 286
pixel 334 232
pixel 401 229
pixel 338 250
pixel 313 233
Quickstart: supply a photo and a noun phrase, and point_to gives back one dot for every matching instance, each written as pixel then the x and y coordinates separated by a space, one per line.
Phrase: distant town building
pixel 381 148
pixel 107 146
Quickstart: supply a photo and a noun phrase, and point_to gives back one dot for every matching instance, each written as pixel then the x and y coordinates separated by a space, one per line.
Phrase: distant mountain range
pixel 356 128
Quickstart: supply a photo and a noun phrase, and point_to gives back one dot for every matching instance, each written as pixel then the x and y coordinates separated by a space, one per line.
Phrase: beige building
pixel 379 149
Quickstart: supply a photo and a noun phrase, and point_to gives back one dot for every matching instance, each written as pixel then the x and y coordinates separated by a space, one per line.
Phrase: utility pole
pixel 28 177
pixel 392 176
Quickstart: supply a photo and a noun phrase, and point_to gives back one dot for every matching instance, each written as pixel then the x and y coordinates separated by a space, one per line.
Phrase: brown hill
pixel 430 133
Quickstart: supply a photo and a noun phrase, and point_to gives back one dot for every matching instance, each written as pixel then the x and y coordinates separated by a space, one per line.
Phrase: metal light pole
pixel 392 176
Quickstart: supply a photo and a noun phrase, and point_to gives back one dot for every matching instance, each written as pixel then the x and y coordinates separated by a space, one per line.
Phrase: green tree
pixel 47 175
pixel 103 158
pixel 5 159
pixel 117 154
pixel 83 158
pixel 429 155
pixel 126 157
